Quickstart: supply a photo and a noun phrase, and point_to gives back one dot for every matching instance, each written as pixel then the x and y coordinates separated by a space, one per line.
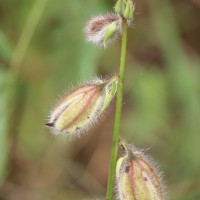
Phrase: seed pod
pixel 103 30
pixel 80 109
pixel 137 177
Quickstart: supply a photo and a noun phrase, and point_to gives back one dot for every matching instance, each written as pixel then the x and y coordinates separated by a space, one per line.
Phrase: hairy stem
pixel 111 179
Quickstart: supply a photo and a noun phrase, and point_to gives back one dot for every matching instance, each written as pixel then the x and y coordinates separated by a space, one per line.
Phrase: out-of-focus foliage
pixel 161 109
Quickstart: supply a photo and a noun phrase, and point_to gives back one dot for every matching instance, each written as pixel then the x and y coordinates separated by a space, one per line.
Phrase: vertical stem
pixel 111 179
pixel 16 64
pixel 26 36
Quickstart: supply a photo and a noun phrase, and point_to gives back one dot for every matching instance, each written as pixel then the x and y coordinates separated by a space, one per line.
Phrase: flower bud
pixel 103 30
pixel 129 9
pixel 137 177
pixel 79 109
pixel 125 8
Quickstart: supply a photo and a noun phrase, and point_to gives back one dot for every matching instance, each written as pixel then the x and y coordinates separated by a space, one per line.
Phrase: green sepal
pixel 109 91
pixel 109 32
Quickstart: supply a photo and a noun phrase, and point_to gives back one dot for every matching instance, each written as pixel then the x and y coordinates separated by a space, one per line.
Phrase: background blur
pixel 43 51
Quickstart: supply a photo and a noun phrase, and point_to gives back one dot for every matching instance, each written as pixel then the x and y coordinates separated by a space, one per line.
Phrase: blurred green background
pixel 43 51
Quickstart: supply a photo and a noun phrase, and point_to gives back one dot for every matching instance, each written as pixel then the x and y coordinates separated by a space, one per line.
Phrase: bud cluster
pixel 79 109
pixel 137 177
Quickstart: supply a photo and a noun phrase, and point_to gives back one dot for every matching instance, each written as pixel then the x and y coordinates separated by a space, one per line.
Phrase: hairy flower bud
pixel 103 30
pixel 137 177
pixel 79 109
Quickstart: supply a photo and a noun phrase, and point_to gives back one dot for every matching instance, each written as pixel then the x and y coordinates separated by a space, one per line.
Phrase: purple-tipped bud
pixel 137 177
pixel 79 109
pixel 103 30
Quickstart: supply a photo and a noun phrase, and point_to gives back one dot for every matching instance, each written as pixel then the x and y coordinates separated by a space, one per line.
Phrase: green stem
pixel 111 179
pixel 26 36
pixel 11 89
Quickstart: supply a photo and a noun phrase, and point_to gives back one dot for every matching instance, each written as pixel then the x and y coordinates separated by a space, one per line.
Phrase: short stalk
pixel 111 179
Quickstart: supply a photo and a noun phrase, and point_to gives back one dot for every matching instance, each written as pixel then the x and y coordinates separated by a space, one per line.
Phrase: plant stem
pixel 111 179
pixel 26 36
pixel 12 89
